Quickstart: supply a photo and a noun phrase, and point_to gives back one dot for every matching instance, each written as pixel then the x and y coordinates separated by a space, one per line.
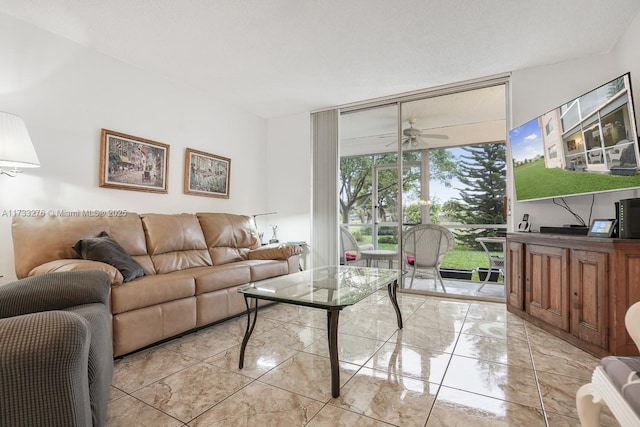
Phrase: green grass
pixel 534 181
pixel 462 259
pixel 465 259
pixel 468 259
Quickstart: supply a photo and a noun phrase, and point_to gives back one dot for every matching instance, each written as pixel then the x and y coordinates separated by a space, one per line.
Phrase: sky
pixel 442 193
pixel 526 141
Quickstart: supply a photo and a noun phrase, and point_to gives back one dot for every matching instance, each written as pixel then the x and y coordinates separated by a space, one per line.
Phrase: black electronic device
pixel 616 232
pixel 602 228
pixel 575 231
pixel 629 219
pixel 525 225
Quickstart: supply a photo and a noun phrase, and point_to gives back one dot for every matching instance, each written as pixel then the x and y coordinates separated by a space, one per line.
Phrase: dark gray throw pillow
pixel 104 249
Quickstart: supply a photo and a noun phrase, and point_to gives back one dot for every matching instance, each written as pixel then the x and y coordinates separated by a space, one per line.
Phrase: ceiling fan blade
pixel 391 143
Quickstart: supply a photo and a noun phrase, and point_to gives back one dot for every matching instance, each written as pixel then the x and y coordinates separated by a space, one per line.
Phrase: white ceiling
pixel 281 57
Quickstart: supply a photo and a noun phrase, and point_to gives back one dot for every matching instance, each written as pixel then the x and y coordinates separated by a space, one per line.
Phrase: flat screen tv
pixel 587 145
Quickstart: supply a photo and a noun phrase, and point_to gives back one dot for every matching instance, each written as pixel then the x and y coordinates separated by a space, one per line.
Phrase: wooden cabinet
pixel 575 287
pixel 588 295
pixel 547 281
pixel 515 267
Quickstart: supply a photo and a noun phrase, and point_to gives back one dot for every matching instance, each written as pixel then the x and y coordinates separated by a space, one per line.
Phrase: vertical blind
pixel 324 209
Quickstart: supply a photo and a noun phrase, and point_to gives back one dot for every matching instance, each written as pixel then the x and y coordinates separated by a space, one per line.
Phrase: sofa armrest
pixel 61 265
pixel 54 291
pixel 283 252
pixel 43 370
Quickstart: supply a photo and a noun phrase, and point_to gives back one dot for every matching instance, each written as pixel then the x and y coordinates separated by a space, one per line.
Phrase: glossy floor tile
pixel 456 362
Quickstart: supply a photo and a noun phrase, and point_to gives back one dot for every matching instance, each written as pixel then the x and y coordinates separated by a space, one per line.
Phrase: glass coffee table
pixel 330 288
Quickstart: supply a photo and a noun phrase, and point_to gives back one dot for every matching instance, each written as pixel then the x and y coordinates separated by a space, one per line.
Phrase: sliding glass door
pixel 420 160
pixel 368 177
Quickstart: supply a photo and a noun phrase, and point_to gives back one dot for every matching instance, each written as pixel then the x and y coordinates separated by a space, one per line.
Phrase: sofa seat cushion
pixel 152 290
pixel 624 374
pixel 266 269
pixel 218 277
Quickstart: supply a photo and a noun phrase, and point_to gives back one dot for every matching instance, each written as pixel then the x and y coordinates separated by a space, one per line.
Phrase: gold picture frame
pixel 131 163
pixel 206 174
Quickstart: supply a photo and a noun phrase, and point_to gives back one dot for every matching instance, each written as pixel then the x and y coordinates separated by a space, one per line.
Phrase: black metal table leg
pixel 332 329
pixel 249 330
pixel 391 288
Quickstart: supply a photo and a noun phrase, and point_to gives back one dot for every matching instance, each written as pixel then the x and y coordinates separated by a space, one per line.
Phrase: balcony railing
pixel 473 261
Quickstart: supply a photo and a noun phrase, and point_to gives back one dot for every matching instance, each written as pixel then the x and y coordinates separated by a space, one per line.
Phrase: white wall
pixel 289 176
pixel 67 93
pixel 537 90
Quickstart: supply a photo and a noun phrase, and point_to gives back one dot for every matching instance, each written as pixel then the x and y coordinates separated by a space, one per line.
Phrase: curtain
pixel 324 206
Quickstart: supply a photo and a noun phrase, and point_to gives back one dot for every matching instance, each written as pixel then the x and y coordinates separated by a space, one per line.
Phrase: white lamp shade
pixel 16 149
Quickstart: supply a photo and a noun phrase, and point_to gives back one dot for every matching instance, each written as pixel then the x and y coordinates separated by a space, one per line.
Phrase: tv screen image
pixel 587 145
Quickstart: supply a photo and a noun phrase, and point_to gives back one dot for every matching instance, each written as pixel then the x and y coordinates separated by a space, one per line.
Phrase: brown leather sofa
pixel 193 265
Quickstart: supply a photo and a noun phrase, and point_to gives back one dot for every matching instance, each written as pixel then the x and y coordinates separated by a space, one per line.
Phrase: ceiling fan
pixel 414 137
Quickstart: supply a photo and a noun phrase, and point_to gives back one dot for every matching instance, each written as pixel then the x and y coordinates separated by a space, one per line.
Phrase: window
pixel 549 127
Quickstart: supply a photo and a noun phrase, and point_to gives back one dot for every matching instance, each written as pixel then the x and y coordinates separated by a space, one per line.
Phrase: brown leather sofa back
pixel 229 237
pixel 38 240
pixel 175 242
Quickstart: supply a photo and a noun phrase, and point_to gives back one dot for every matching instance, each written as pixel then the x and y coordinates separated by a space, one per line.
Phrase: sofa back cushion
pixel 229 237
pixel 38 240
pixel 175 242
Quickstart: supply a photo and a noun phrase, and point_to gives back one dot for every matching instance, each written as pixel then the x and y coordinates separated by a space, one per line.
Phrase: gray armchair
pixel 56 358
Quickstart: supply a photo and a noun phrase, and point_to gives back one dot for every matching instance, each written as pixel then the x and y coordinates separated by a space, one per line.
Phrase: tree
pixel 355 183
pixel 356 180
pixel 482 173
pixel 454 210
pixel 412 214
pixel 442 166
pixel 435 210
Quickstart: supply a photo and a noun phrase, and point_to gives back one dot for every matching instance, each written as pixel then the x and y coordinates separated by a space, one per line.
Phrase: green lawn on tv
pixel 534 181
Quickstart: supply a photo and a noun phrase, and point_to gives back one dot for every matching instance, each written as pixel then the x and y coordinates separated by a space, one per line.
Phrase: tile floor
pixel 455 363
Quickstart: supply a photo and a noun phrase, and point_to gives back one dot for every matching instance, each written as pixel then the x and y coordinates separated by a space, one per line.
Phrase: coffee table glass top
pixel 323 287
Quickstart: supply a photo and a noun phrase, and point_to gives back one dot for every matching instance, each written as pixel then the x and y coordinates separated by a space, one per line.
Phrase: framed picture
pixel 206 174
pixel 131 163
